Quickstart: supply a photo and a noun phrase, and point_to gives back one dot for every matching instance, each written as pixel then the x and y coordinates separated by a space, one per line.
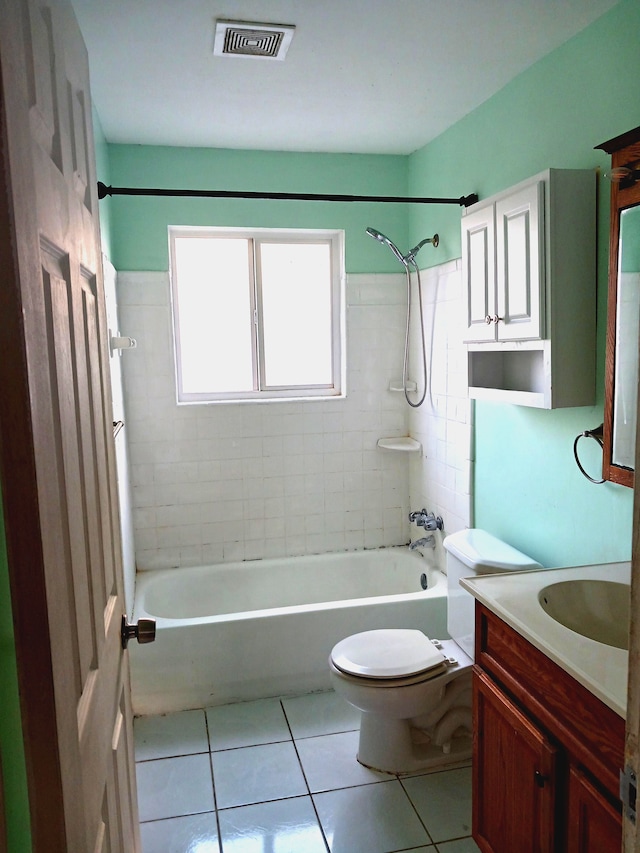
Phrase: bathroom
pixel 303 478
pixel 309 477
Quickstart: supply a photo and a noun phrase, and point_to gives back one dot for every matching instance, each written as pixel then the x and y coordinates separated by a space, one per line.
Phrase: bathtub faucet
pixel 423 543
pixel 425 519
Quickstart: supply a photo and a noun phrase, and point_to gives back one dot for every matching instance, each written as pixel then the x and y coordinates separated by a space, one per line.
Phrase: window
pixel 257 314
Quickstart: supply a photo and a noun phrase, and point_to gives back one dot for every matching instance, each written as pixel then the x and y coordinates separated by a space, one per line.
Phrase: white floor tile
pixel 192 834
pixel 255 774
pixel 285 826
pixel 370 819
pixel 443 801
pixel 320 714
pixel 330 762
pixel 261 794
pixel 183 733
pixel 170 787
pixel 247 724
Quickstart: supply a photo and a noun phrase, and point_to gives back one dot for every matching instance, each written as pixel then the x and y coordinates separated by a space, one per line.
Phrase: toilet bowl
pixel 414 693
pixel 410 714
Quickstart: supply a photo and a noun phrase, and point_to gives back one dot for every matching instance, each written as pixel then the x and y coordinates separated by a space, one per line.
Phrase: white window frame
pixel 261 392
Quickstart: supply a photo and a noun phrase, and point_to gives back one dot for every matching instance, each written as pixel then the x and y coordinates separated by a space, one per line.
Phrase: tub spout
pixel 429 541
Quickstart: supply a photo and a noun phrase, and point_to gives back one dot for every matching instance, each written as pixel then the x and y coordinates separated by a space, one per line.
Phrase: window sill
pixel 243 401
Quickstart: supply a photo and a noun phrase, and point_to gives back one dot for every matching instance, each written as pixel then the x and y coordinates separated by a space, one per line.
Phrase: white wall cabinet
pixel 529 269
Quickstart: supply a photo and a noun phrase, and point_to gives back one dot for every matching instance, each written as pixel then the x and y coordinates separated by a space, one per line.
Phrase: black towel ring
pixel 596 434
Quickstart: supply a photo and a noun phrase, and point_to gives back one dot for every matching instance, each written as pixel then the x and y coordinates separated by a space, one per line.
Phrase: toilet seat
pixel 389 657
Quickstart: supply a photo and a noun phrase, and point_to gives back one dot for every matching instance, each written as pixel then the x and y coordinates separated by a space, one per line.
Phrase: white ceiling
pixel 360 76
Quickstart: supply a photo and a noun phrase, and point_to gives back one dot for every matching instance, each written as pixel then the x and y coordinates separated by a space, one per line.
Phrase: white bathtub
pixel 251 630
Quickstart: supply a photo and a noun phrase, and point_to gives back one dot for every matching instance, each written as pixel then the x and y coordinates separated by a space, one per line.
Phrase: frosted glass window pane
pixel 297 313
pixel 214 314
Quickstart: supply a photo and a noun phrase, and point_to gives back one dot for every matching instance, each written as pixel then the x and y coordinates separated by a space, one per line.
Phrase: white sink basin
pixel 595 609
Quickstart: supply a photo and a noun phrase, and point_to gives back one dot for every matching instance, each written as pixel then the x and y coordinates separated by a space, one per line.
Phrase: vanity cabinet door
pixel 479 264
pixel 593 824
pixel 514 772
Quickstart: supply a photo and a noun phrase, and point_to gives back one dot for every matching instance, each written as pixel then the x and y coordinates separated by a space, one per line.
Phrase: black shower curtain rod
pixel 104 191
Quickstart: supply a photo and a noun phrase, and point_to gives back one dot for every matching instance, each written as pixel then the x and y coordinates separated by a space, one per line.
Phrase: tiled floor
pixel 280 776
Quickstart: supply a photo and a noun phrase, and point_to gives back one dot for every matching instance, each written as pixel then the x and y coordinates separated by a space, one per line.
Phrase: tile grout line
pixel 443 840
pixel 213 782
pixel 304 776
pixel 406 793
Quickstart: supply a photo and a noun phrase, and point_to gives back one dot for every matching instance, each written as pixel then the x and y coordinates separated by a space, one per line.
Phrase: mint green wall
pixel 14 774
pixel 103 174
pixel 139 224
pixel 528 489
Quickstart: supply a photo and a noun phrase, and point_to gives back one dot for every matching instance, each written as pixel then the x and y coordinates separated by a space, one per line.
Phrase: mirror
pixel 625 398
pixel 623 310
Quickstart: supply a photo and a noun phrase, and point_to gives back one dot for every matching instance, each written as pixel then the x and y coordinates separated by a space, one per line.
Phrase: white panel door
pixel 56 444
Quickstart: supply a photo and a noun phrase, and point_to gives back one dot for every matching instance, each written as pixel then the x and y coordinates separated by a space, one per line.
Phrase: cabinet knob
pixel 540 779
pixel 488 319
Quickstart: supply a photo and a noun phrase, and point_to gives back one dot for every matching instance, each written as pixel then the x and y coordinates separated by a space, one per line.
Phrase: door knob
pixel 144 630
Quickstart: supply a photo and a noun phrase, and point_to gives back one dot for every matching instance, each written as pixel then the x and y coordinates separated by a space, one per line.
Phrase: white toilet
pixel 415 692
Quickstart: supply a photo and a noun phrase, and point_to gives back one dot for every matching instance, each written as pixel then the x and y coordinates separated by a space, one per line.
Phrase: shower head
pixel 411 255
pixel 382 239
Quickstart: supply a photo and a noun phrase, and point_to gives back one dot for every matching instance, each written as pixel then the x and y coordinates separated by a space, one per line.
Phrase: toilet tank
pixel 475 552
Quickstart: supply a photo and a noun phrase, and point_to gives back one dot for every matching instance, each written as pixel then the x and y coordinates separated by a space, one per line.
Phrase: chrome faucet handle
pixel 426 519
pixel 416 515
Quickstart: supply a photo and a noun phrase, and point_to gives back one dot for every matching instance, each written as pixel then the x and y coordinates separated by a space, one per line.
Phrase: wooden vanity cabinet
pixel 514 775
pixel 594 823
pixel 547 752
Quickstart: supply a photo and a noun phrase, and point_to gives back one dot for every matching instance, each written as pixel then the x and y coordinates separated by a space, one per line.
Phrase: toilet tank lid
pixel 484 553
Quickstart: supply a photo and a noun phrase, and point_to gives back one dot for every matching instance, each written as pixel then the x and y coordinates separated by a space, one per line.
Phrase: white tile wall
pixel 122 456
pixel 223 482
pixel 440 477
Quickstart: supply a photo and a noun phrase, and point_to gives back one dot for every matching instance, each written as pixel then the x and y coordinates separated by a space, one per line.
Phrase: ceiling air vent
pixel 255 41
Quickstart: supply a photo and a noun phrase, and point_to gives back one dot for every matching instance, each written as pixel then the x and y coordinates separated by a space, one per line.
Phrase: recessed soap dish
pixel 403 443
pixel 396 385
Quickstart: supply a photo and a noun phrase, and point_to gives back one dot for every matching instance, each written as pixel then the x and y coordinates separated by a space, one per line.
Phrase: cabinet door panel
pixel 520 264
pixel 478 260
pixel 594 826
pixel 513 776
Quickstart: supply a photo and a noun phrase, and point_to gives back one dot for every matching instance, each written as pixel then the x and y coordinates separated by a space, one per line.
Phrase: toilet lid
pixel 387 653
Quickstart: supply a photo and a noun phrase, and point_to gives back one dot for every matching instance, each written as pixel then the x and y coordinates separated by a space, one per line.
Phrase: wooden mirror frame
pixel 624 150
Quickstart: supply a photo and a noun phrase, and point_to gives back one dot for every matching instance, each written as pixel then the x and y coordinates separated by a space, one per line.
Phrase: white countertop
pixel 513 596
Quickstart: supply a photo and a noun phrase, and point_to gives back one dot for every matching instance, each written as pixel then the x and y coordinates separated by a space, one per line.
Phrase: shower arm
pixel 104 191
pixel 411 255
